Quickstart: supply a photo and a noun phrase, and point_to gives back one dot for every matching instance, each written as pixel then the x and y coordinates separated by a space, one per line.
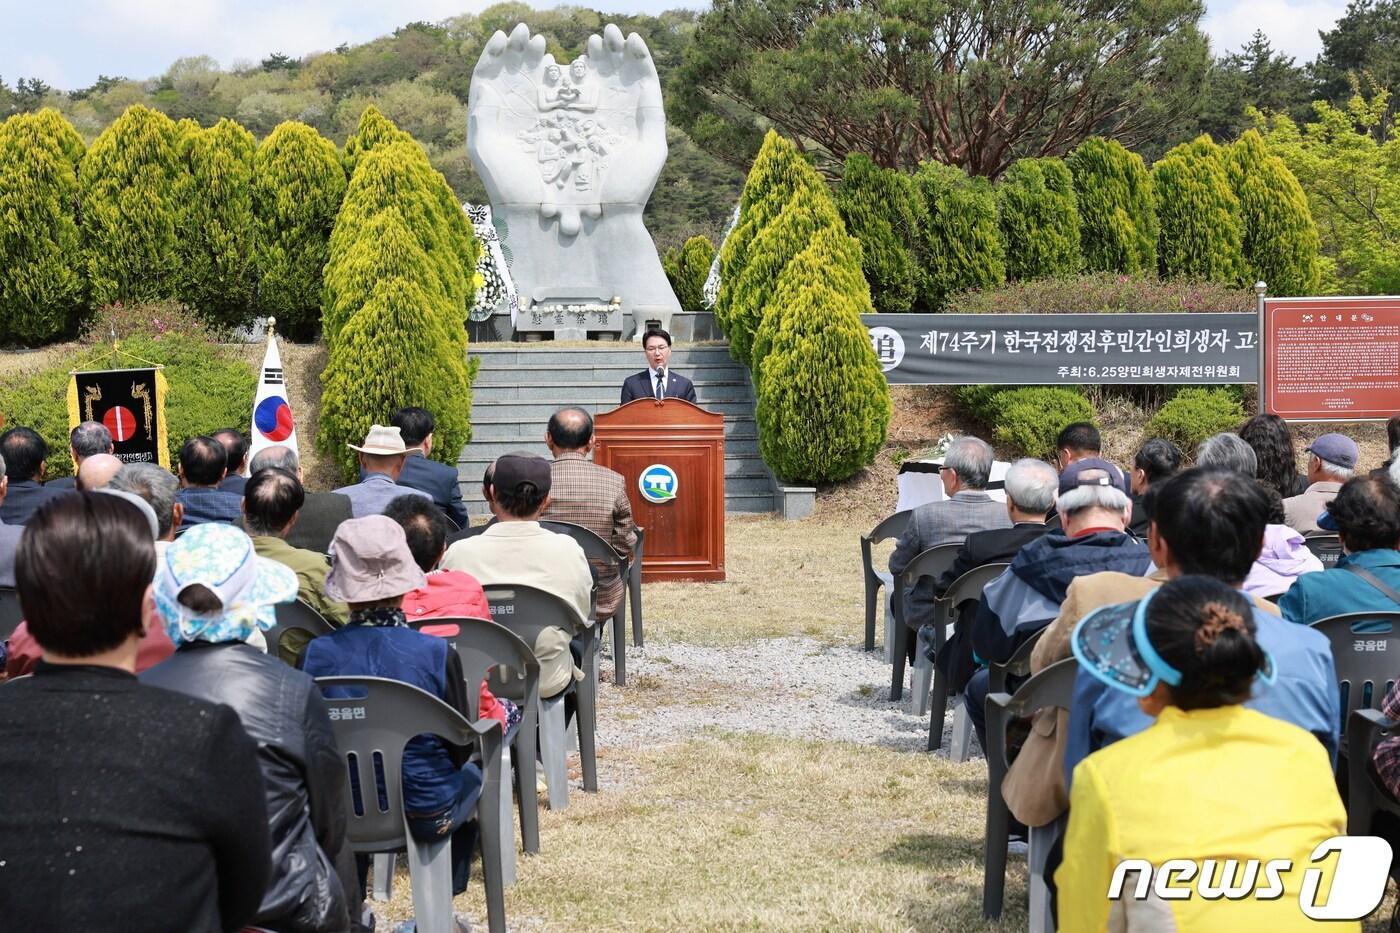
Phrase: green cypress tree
pixel 1039 219
pixel 788 234
pixel 373 131
pixel 687 269
pixel 778 172
pixel 395 350
pixel 130 181
pixel 298 182
pixel 41 281
pixel 882 210
pixel 1117 210
pixel 823 404
pixel 216 224
pixel 1198 215
pixel 385 248
pixel 1280 238
pixel 960 239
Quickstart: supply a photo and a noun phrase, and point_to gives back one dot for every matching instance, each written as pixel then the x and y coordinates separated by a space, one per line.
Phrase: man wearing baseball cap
pixel 1332 462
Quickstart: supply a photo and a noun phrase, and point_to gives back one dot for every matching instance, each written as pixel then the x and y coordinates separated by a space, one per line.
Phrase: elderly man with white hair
pixel 1095 512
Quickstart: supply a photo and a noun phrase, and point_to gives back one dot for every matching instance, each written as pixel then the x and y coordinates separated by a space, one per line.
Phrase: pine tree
pixel 960 239
pixel 216 224
pixel 1039 219
pixel 298 183
pixel 882 210
pixel 41 280
pixel 687 269
pixel 1198 215
pixel 823 404
pixel 130 181
pixel 1280 238
pixel 1117 210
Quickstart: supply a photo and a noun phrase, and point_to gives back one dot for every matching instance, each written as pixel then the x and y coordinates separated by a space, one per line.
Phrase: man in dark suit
pixel 657 381
pixel 236 447
pixel 25 453
pixel 436 479
pixel 86 440
pixel 320 514
pixel 471 531
pixel 1031 487
pixel 9 539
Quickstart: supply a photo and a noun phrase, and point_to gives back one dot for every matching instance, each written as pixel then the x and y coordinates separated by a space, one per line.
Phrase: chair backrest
pixel 1054 686
pixel 594 547
pixel 297 614
pixel 1326 548
pixel 526 611
pixel 932 562
pixel 373 718
pixel 482 646
pixel 10 613
pixel 1019 664
pixel 1366 662
pixel 892 526
pixel 969 586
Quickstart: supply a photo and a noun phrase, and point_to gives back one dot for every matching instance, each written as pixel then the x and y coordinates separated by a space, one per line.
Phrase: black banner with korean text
pixel 1066 349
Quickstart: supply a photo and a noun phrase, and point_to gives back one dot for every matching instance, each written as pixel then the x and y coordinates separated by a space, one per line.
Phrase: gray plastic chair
pixel 892 527
pixel 527 611
pixel 1365 663
pixel 1326 548
pixel 1053 686
pixel 295 616
pixel 11 615
pixel 634 586
pixel 373 718
pixel 966 588
pixel 482 646
pixel 930 563
pixel 595 548
pixel 1365 728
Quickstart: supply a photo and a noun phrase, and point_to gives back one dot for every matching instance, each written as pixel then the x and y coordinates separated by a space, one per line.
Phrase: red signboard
pixel 1331 359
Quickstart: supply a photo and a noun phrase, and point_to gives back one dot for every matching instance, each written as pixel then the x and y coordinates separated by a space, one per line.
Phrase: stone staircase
pixel 518 387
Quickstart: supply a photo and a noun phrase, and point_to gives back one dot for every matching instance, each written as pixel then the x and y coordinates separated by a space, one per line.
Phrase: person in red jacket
pixel 450 594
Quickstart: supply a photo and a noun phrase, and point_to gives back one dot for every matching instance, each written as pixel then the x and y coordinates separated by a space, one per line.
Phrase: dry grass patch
pixel 746 832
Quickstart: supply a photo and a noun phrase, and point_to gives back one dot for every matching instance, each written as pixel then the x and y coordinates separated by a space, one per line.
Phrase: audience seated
pixel 1332 462
pixel 1392 438
pixel 1227 452
pixel 590 495
pixel 320 514
pixel 1155 460
pixel 1022 601
pixel 1207 778
pixel 123 806
pixel 212 591
pixel 1284 557
pixel 382 459
pixel 235 446
pixel 272 502
pixel 159 488
pixel 1077 441
pixel 449 594
pixel 9 536
pixel 1218 536
pixel 97 471
pixel 1031 487
pixel 371 571
pixel 1209 522
pixel 968 508
pixel 84 441
pixel 202 468
pixel 1366 516
pixel 1272 442
pixel 517 550
pixel 438 480
pixel 25 453
pixel 1385 760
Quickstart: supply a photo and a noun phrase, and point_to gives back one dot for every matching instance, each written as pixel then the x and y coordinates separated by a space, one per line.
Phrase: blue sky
pixel 68 43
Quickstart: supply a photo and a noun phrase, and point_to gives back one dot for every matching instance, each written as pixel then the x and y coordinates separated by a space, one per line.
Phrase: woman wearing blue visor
pixel 1224 788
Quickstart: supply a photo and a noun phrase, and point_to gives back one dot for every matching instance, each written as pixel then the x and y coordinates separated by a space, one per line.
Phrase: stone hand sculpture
pixel 569 156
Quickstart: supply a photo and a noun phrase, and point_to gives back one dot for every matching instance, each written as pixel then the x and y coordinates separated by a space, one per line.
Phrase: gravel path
pixel 794 687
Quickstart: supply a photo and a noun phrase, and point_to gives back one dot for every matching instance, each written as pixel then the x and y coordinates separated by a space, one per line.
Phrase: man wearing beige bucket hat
pixel 382 457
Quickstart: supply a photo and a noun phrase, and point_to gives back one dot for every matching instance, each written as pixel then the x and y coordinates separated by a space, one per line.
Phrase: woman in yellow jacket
pixel 1209 781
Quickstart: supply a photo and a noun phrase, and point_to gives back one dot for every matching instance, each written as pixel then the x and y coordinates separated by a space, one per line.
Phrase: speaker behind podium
pixel 671 455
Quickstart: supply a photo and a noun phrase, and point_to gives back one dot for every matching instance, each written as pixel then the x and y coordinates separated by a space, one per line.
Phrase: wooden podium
pixel 685 534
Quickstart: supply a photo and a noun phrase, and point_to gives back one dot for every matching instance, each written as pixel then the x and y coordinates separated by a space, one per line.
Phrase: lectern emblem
pixel 658 483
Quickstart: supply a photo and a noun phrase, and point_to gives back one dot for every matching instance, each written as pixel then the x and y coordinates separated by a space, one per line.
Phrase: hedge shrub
pixel 209 388
pixel 882 210
pixel 1039 219
pixel 1025 420
pixel 1104 293
pixel 1194 414
pixel 41 277
pixel 1199 232
pixel 687 268
pixel 1117 210
pixel 216 230
pixel 298 182
pixel 959 241
pixel 1280 237
pixel 823 403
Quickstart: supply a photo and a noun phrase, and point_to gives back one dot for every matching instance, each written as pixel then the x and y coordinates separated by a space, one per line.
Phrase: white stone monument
pixel 569 156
